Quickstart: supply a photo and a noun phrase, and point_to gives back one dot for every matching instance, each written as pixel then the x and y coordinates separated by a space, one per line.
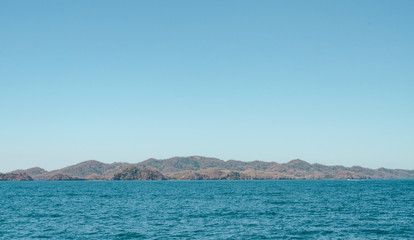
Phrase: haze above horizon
pixel 330 82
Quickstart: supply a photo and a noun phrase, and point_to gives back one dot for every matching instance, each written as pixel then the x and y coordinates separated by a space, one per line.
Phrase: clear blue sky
pixel 324 81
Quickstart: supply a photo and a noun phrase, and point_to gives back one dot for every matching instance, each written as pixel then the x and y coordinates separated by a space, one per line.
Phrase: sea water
pixel 309 209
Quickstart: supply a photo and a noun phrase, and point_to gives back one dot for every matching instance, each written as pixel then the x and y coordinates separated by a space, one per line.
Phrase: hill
pixel 198 167
pixel 90 170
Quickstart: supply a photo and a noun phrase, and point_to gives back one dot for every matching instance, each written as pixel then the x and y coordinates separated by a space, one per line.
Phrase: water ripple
pixel 207 210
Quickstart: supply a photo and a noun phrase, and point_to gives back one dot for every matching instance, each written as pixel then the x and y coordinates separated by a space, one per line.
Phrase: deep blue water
pixel 320 209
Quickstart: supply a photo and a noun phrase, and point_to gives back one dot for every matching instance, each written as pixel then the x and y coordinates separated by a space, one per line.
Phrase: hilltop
pixel 204 168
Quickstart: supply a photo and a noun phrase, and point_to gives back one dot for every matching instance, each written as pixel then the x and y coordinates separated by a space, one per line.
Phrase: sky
pixel 328 82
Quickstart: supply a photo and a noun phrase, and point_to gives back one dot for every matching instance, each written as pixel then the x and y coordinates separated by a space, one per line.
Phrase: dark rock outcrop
pixel 15 177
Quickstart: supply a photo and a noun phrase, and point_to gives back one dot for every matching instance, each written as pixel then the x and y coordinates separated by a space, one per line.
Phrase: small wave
pixel 130 235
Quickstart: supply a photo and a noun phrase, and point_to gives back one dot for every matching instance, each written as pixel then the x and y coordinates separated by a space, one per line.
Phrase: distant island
pixel 203 168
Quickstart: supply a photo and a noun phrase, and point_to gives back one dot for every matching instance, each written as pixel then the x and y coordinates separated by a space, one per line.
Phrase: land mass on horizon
pixel 203 168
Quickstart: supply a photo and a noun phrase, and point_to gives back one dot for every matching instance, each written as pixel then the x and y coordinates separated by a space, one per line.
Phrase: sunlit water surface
pixel 311 209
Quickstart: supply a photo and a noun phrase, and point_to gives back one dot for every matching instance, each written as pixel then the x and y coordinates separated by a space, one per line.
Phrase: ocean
pixel 273 209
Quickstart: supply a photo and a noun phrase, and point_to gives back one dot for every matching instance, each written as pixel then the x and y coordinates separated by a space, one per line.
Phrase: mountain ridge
pixel 199 167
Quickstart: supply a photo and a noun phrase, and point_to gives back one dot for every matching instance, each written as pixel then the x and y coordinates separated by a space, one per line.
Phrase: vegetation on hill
pixel 134 173
pixel 63 177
